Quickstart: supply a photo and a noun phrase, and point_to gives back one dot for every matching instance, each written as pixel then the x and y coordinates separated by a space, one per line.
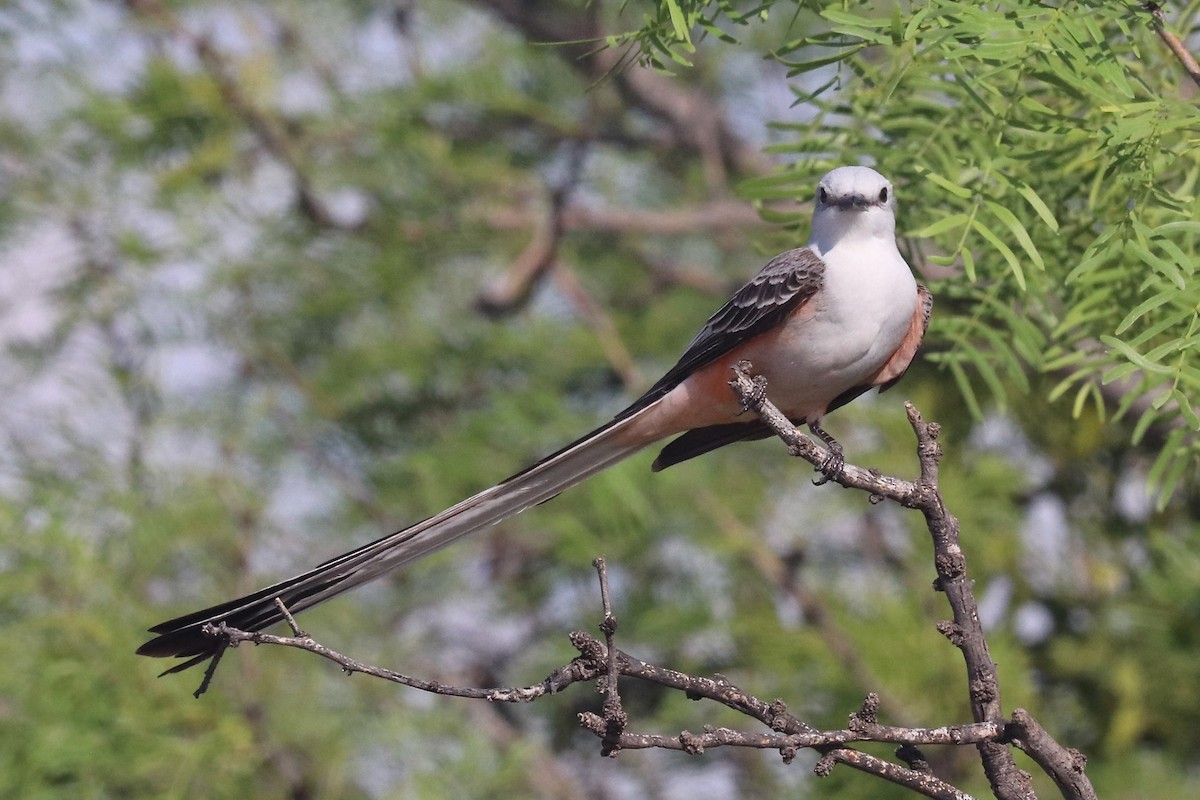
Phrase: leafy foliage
pixel 1047 154
pixel 1054 166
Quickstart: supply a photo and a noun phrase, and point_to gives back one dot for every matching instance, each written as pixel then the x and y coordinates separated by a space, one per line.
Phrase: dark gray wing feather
pixel 765 301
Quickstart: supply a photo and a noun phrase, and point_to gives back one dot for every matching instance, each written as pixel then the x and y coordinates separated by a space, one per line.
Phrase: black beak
pixel 856 201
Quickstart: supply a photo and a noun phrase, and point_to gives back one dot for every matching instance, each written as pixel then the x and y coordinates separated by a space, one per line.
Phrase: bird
pixel 823 324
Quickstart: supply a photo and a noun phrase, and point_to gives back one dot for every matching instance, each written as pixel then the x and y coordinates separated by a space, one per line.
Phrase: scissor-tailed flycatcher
pixel 823 324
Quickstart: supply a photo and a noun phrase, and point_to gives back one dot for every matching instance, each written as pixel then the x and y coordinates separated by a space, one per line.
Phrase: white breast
pixel 856 322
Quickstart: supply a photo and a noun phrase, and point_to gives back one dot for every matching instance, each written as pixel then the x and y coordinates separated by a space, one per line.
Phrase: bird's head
pixel 853 202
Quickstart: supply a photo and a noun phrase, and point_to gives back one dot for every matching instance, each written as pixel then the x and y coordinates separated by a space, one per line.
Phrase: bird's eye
pixel 883 194
pixel 822 195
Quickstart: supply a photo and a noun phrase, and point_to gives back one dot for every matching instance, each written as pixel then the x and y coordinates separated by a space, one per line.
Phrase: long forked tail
pixel 599 449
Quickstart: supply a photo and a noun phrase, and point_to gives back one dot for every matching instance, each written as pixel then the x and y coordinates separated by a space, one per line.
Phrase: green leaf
pixel 846 18
pixel 1102 250
pixel 678 21
pixel 1134 356
pixel 1009 220
pixel 1035 202
pixel 968 264
pixel 1065 385
pixel 1146 306
pixel 941 226
pixel 1167 268
pixel 799 67
pixel 949 185
pixel 1065 360
pixel 1180 258
pixel 1148 418
pixel 1191 226
pixel 865 28
pixel 915 22
pixel 989 375
pixel 965 389
pixel 1002 248
pixel 1167 470
pixel 1184 404
pixel 1086 390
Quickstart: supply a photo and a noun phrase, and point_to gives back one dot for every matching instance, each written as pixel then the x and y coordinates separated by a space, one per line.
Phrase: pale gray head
pixel 852 204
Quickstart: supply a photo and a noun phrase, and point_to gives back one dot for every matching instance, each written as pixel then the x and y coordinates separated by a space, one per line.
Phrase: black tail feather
pixel 699 441
pixel 185 636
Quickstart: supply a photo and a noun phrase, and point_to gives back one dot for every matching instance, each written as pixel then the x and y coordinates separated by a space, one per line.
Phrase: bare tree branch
pixel 696 743
pixel 1008 782
pixel 614 721
pixel 920 782
pixel 1172 41
pixel 594 662
pixel 1063 764
pixel 604 663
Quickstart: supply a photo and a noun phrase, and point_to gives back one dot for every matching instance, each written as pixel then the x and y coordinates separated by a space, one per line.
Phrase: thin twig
pixel 291 621
pixel 533 262
pixel 922 782
pixel 615 719
pixel 1173 42
pixel 906 493
pixel 1063 764
pixel 573 672
pixel 790 734
pixel 696 743
pixel 776 717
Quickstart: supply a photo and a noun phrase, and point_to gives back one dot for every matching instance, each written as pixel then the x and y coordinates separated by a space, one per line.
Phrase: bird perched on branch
pixel 822 324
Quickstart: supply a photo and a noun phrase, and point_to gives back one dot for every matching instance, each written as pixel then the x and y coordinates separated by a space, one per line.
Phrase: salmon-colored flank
pixel 898 363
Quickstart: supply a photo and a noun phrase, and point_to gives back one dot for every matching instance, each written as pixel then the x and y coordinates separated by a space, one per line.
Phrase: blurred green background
pixel 281 277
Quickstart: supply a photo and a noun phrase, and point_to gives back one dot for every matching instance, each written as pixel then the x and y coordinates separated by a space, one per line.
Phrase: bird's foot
pixel 833 466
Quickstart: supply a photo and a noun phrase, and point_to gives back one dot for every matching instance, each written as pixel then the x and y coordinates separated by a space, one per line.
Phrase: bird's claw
pixel 832 467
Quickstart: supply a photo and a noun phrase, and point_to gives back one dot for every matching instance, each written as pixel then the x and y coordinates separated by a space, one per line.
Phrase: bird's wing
pixel 784 284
